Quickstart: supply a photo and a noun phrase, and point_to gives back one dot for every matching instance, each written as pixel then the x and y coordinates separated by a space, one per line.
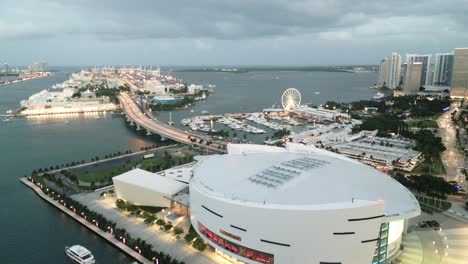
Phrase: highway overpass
pixel 142 120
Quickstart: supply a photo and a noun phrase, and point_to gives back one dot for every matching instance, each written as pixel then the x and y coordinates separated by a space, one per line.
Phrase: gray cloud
pixel 215 25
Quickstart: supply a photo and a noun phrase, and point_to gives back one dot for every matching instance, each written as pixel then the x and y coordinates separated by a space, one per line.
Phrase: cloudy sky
pixel 226 32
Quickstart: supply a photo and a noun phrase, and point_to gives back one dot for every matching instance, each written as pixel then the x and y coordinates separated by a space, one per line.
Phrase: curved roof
pixel 299 177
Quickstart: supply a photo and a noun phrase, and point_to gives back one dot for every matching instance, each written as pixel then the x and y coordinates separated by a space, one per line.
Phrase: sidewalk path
pixel 107 236
pixel 136 227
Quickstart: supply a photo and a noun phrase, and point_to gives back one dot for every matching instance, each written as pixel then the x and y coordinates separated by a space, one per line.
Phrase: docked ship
pixel 80 254
pixel 378 96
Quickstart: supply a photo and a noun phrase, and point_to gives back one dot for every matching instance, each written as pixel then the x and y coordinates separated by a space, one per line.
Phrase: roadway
pixel 447 245
pixel 153 125
pixel 452 158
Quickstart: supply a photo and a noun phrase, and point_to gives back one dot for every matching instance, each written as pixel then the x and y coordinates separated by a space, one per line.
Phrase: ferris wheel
pixel 291 99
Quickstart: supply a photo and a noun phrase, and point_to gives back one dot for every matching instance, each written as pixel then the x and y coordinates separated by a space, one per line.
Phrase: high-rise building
pixel 38 67
pixel 426 64
pixel 403 74
pixel 430 75
pixel 413 77
pixel 460 74
pixel 7 68
pixel 443 69
pixel 43 67
pixel 383 72
pixel 389 72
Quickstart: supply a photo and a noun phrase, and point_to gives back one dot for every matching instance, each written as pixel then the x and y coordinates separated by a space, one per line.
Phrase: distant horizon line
pixel 211 66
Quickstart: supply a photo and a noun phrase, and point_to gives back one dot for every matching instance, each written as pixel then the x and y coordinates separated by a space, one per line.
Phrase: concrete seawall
pixel 107 236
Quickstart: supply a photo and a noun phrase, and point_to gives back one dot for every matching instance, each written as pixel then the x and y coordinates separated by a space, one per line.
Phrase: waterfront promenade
pixel 136 227
pixel 107 236
pixel 140 154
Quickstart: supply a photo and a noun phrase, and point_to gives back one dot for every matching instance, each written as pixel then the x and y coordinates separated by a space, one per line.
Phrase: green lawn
pixel 161 163
pixel 427 167
pixel 427 122
pixel 154 164
pixel 105 175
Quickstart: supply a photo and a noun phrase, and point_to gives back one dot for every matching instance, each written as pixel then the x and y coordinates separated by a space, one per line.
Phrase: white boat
pixel 9 112
pixel 7 119
pixel 379 95
pixel 204 112
pixel 80 254
pixel 185 121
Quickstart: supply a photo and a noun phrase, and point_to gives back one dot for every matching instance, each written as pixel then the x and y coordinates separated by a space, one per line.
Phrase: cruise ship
pixel 80 254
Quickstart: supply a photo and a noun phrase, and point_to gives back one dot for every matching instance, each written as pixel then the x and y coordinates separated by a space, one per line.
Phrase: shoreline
pixel 19 112
pixel 107 236
pixel 9 82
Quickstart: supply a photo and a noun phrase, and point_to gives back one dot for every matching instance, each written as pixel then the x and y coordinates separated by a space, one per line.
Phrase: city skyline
pixel 235 131
pixel 228 33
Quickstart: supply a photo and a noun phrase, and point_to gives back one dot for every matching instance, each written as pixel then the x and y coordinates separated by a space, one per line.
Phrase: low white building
pixel 376 151
pixel 148 189
pixel 193 88
pixel 321 113
pixel 326 134
pixel 155 87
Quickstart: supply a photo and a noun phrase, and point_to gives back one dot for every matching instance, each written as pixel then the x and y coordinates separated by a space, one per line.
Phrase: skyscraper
pixel 426 63
pixel 413 77
pixel 389 72
pixel 383 73
pixel 460 74
pixel 443 69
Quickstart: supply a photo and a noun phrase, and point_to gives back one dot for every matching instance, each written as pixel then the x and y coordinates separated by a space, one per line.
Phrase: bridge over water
pixel 142 120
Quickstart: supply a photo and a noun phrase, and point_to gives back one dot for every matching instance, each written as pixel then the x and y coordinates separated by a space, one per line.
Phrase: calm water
pixel 35 232
pixel 255 91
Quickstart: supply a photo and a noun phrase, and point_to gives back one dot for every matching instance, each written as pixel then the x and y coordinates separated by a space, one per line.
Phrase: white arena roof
pixel 148 180
pixel 300 177
pixel 181 173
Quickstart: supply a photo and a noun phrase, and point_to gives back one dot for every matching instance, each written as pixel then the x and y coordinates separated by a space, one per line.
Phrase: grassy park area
pixel 426 122
pixel 107 174
pixel 153 164
pixel 428 167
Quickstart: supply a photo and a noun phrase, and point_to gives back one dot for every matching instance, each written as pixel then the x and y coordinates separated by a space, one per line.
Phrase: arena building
pixel 299 204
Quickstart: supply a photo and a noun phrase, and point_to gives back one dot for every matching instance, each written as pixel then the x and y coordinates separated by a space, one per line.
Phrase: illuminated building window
pixel 380 252
pixel 230 235
pixel 259 256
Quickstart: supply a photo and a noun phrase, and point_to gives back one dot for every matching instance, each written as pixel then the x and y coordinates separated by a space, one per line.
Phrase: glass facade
pixel 380 251
pixel 237 249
